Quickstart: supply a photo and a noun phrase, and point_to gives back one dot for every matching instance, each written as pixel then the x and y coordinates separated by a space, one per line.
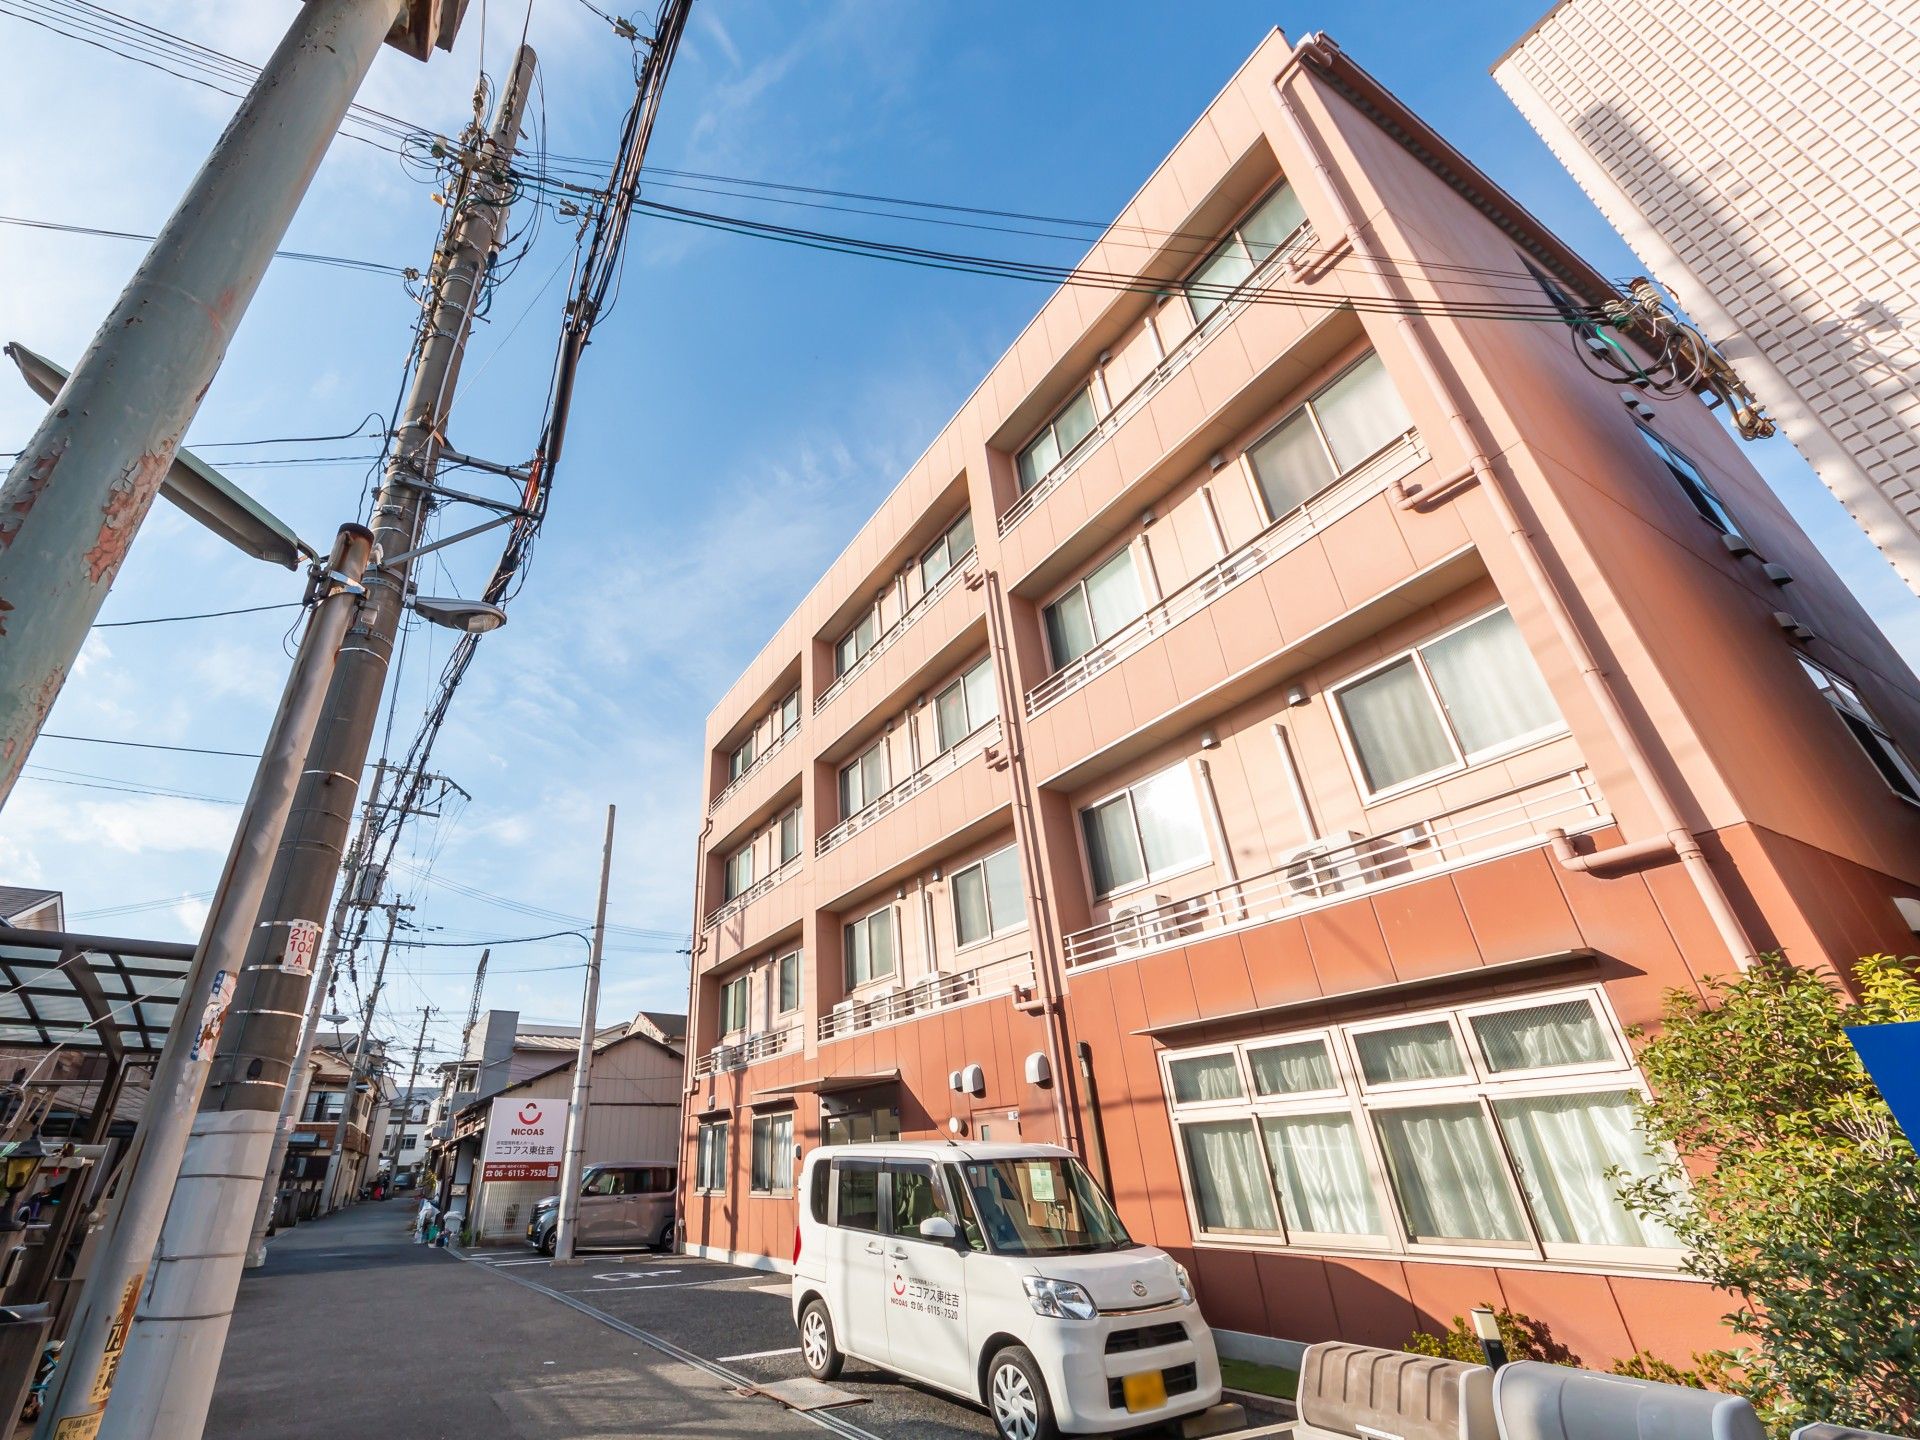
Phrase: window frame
pixel 782 857
pixel 1693 482
pixel 944 544
pixel 1234 235
pixel 1463 760
pixel 842 665
pixel 1055 663
pixel 1837 691
pixel 704 1163
pixel 741 985
pixel 847 812
pixel 994 931
pixel 974 724
pixel 1307 405
pixel 730 892
pixel 772 1120
pixel 788 713
pixel 736 766
pixel 1149 876
pixel 849 984
pixel 1087 388
pixel 780 983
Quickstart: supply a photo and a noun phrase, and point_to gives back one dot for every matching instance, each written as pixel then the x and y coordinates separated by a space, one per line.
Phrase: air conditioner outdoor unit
pixel 1336 862
pixel 1155 920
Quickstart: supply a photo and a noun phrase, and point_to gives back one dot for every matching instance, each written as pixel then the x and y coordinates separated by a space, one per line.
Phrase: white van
pixel 999 1273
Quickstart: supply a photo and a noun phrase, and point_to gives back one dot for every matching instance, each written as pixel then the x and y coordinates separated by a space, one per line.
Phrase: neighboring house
pixel 403 1145
pixel 1763 160
pixel 28 909
pixel 1278 744
pixel 332 1141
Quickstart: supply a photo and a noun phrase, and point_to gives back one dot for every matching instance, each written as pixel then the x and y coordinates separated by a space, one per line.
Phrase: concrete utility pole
pixel 413 1078
pixel 76 495
pixel 99 1334
pixel 575 1156
pixel 181 1325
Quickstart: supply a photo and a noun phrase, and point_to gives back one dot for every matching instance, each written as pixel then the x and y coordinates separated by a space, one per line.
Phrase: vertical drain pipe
pixel 1685 844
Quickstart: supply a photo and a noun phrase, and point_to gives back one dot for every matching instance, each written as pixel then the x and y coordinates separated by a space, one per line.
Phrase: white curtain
pixel 1394 728
pixel 1324 1185
pixel 1168 810
pixel 1563 1033
pixel 1292 1069
pixel 1488 682
pixel 981 705
pixel 1360 413
pixel 1006 898
pixel 1413 1052
pixel 1074 423
pixel 970 920
pixel 1565 1145
pixel 1038 458
pixel 950 716
pixel 1113 852
pixel 1278 217
pixel 1069 628
pixel 1229 1177
pixel 1113 594
pixel 1219 272
pixel 1205 1077
pixel 1449 1174
pixel 1291 465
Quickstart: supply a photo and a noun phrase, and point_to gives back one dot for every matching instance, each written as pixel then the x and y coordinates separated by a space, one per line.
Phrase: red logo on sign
pixel 529 1114
pixel 899 1284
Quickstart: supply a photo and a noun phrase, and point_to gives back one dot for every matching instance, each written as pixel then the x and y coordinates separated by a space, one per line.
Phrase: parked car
pixel 625 1205
pixel 999 1273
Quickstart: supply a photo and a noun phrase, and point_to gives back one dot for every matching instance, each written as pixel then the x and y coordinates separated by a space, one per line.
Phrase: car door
pixel 602 1213
pixel 856 1256
pixel 926 1302
pixel 653 1203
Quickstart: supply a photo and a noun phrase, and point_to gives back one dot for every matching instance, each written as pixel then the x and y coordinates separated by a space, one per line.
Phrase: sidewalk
pixel 351 1329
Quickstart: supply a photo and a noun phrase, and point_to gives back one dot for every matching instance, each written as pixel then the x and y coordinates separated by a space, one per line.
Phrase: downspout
pixel 1295 783
pixel 1218 826
pixel 1676 839
pixel 694 949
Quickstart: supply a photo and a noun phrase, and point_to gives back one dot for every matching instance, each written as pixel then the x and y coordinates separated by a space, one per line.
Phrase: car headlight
pixel 1186 1283
pixel 1060 1299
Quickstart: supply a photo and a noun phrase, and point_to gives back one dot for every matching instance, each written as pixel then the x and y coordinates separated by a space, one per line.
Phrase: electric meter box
pixel 1535 1401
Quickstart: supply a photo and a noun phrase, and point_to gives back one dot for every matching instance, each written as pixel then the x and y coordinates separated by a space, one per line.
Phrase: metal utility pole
pixel 570 1164
pixel 181 1325
pixel 76 495
pixel 94 1346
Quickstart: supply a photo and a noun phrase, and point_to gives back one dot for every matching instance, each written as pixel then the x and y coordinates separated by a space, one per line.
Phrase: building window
pixel 988 899
pixel 323 1105
pixel 946 552
pixel 1501 1128
pixel 1861 723
pixel 1093 609
pixel 1346 423
pixel 869 947
pixel 742 758
pixel 733 1006
pixel 1148 831
pixel 865 779
pixel 710 1158
pixel 1228 265
pixel 790 835
pixel 1448 703
pixel 740 870
pixel 788 715
pixel 965 705
pixel 788 968
pixel 1689 478
pixel 857 641
pixel 773 1154
pixel 1057 438
pixel 409 1142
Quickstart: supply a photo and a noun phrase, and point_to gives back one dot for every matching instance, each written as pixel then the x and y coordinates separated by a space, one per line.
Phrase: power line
pixel 149 745
pixel 308 257
pixel 203 615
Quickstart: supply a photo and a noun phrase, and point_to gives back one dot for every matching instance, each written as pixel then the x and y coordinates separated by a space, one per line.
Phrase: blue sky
pixel 743 408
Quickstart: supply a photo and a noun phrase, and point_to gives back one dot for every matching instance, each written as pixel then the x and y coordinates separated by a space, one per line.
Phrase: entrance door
pixel 926 1281
pixel 856 1260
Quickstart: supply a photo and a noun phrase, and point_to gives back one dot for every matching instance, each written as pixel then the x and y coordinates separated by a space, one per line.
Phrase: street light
pixel 471 617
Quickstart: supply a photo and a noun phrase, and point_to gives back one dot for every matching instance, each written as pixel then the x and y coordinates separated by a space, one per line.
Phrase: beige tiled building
pixel 1276 740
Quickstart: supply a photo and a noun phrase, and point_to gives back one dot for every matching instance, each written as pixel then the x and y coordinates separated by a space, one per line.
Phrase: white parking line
pixel 676 1285
pixel 758 1355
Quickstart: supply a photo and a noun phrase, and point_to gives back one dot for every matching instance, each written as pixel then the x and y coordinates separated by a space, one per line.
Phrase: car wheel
pixel 1017 1397
pixel 817 1351
pixel 550 1241
pixel 665 1242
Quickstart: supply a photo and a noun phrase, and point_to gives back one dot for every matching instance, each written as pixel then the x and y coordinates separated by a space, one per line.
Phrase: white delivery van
pixel 999 1273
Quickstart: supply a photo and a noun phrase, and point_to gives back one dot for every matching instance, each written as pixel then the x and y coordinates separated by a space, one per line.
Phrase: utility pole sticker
pixel 303 938
pixel 213 1017
pixel 87 1425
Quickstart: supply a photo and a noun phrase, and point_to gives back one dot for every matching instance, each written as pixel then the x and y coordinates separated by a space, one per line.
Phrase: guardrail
pixel 1286 534
pixel 942 764
pixel 759 761
pixel 884 641
pixel 1155 380
pixel 935 992
pixel 752 893
pixel 763 1046
pixel 1338 868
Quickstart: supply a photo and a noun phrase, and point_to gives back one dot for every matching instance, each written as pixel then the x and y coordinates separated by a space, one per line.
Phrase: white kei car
pixel 999 1273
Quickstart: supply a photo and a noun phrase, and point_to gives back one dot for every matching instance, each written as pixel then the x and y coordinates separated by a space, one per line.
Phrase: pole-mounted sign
pixel 523 1139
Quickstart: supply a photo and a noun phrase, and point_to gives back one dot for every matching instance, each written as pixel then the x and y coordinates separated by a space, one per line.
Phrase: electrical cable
pixel 307 257
pixel 203 615
pixel 149 745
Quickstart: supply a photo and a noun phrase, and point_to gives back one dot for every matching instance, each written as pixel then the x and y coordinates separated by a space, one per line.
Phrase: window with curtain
pixel 788 715
pixel 1692 482
pixel 869 947
pixel 864 779
pixel 857 641
pixel 1350 420
pixel 965 705
pixel 1449 1131
pixel 741 758
pixel 1070 425
pixel 1094 608
pixel 790 835
pixel 1867 731
pixel 710 1157
pixel 733 1006
pixel 946 552
pixel 772 1165
pixel 788 967
pixel 1241 252
pixel 1149 830
pixel 739 871
pixel 988 899
pixel 1449 703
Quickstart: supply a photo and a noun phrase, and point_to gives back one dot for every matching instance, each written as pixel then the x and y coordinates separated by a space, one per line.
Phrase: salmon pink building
pixel 1278 740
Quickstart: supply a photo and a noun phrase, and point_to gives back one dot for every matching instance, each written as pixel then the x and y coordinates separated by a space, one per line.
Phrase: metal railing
pixel 753 769
pixel 935 992
pixel 884 641
pixel 1286 534
pixel 1338 868
pixel 763 1046
pixel 945 763
pixel 753 892
pixel 1155 380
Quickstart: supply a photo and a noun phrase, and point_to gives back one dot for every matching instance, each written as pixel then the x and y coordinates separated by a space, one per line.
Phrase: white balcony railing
pixel 1288 533
pixel 1340 867
pixel 753 892
pixel 885 640
pixel 759 763
pixel 935 992
pixel 945 763
pixel 764 1046
pixel 1155 380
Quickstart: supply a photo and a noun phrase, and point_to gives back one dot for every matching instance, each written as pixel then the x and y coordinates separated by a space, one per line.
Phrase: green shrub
pixel 1525 1337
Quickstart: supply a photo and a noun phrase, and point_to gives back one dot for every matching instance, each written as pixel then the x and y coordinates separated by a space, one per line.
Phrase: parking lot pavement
pixel 738 1322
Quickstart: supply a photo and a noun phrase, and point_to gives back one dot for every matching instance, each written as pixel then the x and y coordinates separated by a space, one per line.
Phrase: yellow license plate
pixel 1146 1391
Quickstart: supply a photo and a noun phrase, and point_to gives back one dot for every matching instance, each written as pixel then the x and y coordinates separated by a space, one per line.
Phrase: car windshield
pixel 1041 1205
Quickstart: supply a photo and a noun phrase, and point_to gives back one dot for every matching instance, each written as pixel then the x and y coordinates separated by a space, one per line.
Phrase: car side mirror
pixel 938 1227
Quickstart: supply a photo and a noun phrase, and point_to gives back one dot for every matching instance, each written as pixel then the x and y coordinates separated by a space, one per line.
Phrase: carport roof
pixel 88 992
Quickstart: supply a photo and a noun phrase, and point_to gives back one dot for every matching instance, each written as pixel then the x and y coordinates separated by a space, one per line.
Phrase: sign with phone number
pixel 523 1140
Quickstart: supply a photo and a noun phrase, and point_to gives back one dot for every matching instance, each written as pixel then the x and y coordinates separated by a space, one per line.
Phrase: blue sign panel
pixel 1891 1054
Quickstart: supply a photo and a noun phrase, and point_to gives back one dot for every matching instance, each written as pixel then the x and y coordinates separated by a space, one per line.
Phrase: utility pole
pixel 359 1066
pixel 180 1328
pixel 94 1346
pixel 76 496
pixel 583 1071
pixel 413 1078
